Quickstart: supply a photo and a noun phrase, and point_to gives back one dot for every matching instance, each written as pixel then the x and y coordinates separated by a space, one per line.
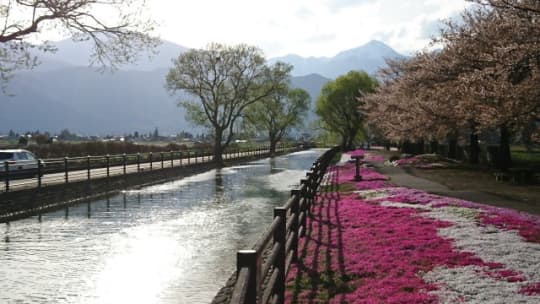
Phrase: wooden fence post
pixel 124 162
pixel 39 172
pixel 162 160
pixel 66 170
pixel 295 211
pixel 108 163
pixel 249 259
pixel 6 175
pixel 280 236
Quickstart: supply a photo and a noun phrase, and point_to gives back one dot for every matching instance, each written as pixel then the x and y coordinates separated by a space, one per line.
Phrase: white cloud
pixel 280 27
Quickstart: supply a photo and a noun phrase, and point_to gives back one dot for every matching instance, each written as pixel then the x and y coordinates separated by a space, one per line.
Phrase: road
pixel 80 175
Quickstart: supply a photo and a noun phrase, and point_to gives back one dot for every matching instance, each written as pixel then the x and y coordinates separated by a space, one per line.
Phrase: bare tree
pixel 221 82
pixel 118 30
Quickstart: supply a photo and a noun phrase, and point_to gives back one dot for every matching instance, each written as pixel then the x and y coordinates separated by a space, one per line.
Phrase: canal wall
pixel 24 203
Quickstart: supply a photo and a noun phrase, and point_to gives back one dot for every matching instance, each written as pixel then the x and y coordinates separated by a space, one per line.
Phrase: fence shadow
pixel 321 274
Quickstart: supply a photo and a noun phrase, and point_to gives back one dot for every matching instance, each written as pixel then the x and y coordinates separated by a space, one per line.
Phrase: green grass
pixel 336 158
pixel 327 285
pixel 522 157
pixel 343 188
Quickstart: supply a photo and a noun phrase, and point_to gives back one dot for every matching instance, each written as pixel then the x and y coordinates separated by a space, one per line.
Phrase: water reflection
pixel 168 243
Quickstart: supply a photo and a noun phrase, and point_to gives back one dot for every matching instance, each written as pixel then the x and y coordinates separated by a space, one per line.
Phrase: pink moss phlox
pixel 358 251
pixel 383 250
pixel 531 289
pixel 347 173
pixel 357 152
pixel 506 275
pixel 408 161
pixel 367 185
pixel 528 227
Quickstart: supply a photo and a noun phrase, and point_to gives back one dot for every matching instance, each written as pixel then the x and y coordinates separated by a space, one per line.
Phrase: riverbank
pixel 31 201
pixel 373 242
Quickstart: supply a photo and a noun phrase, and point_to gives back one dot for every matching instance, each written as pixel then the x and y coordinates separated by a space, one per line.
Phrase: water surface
pixel 168 243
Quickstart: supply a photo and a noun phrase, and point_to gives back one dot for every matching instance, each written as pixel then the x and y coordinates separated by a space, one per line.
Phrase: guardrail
pixel 278 246
pixel 72 169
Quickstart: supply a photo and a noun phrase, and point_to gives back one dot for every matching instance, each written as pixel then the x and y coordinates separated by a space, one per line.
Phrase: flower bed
pixel 425 161
pixel 370 157
pixel 385 244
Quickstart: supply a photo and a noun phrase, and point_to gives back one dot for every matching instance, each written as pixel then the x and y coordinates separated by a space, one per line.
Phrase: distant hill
pixel 313 84
pixel 87 102
pixel 63 92
pixel 369 57
pixel 71 53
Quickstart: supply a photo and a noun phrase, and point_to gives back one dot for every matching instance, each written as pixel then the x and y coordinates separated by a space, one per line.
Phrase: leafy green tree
pixel 217 85
pixel 339 102
pixel 278 113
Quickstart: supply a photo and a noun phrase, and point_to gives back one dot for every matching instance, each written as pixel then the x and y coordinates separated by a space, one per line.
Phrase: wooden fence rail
pixel 281 242
pixel 68 169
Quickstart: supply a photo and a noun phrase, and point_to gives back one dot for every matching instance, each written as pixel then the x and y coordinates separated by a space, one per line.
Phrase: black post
pixel 280 236
pixel 357 176
pixel 138 162
pixel 124 160
pixel 180 157
pixel 172 159
pixel 108 160
pixel 248 258
pixel 88 166
pixel 189 157
pixel 151 156
pixel 39 172
pixel 195 153
pixel 162 160
pixel 6 176
pixel 66 169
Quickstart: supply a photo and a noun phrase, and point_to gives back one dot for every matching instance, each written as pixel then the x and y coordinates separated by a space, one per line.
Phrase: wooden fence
pixel 261 271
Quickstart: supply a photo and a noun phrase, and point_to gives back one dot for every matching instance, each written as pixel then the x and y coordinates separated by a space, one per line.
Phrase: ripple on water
pixel 168 243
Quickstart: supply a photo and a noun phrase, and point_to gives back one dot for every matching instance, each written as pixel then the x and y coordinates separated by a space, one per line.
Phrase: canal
pixel 168 243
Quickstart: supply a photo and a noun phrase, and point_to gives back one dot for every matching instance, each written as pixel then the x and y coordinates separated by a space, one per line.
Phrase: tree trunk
pixel 420 147
pixel 350 143
pixel 406 147
pixel 452 147
pixel 273 143
pixel 474 148
pixel 218 149
pixel 505 158
pixel 344 141
pixel 434 147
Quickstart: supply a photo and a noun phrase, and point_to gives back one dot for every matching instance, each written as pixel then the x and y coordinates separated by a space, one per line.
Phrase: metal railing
pixel 270 259
pixel 75 169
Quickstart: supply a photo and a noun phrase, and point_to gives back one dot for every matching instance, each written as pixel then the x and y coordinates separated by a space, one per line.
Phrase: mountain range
pixel 63 92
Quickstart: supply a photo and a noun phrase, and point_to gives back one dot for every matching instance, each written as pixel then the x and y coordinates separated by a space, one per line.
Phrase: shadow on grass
pixel 317 281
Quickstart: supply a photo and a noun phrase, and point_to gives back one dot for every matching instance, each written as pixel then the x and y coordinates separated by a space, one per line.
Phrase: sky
pixel 304 27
